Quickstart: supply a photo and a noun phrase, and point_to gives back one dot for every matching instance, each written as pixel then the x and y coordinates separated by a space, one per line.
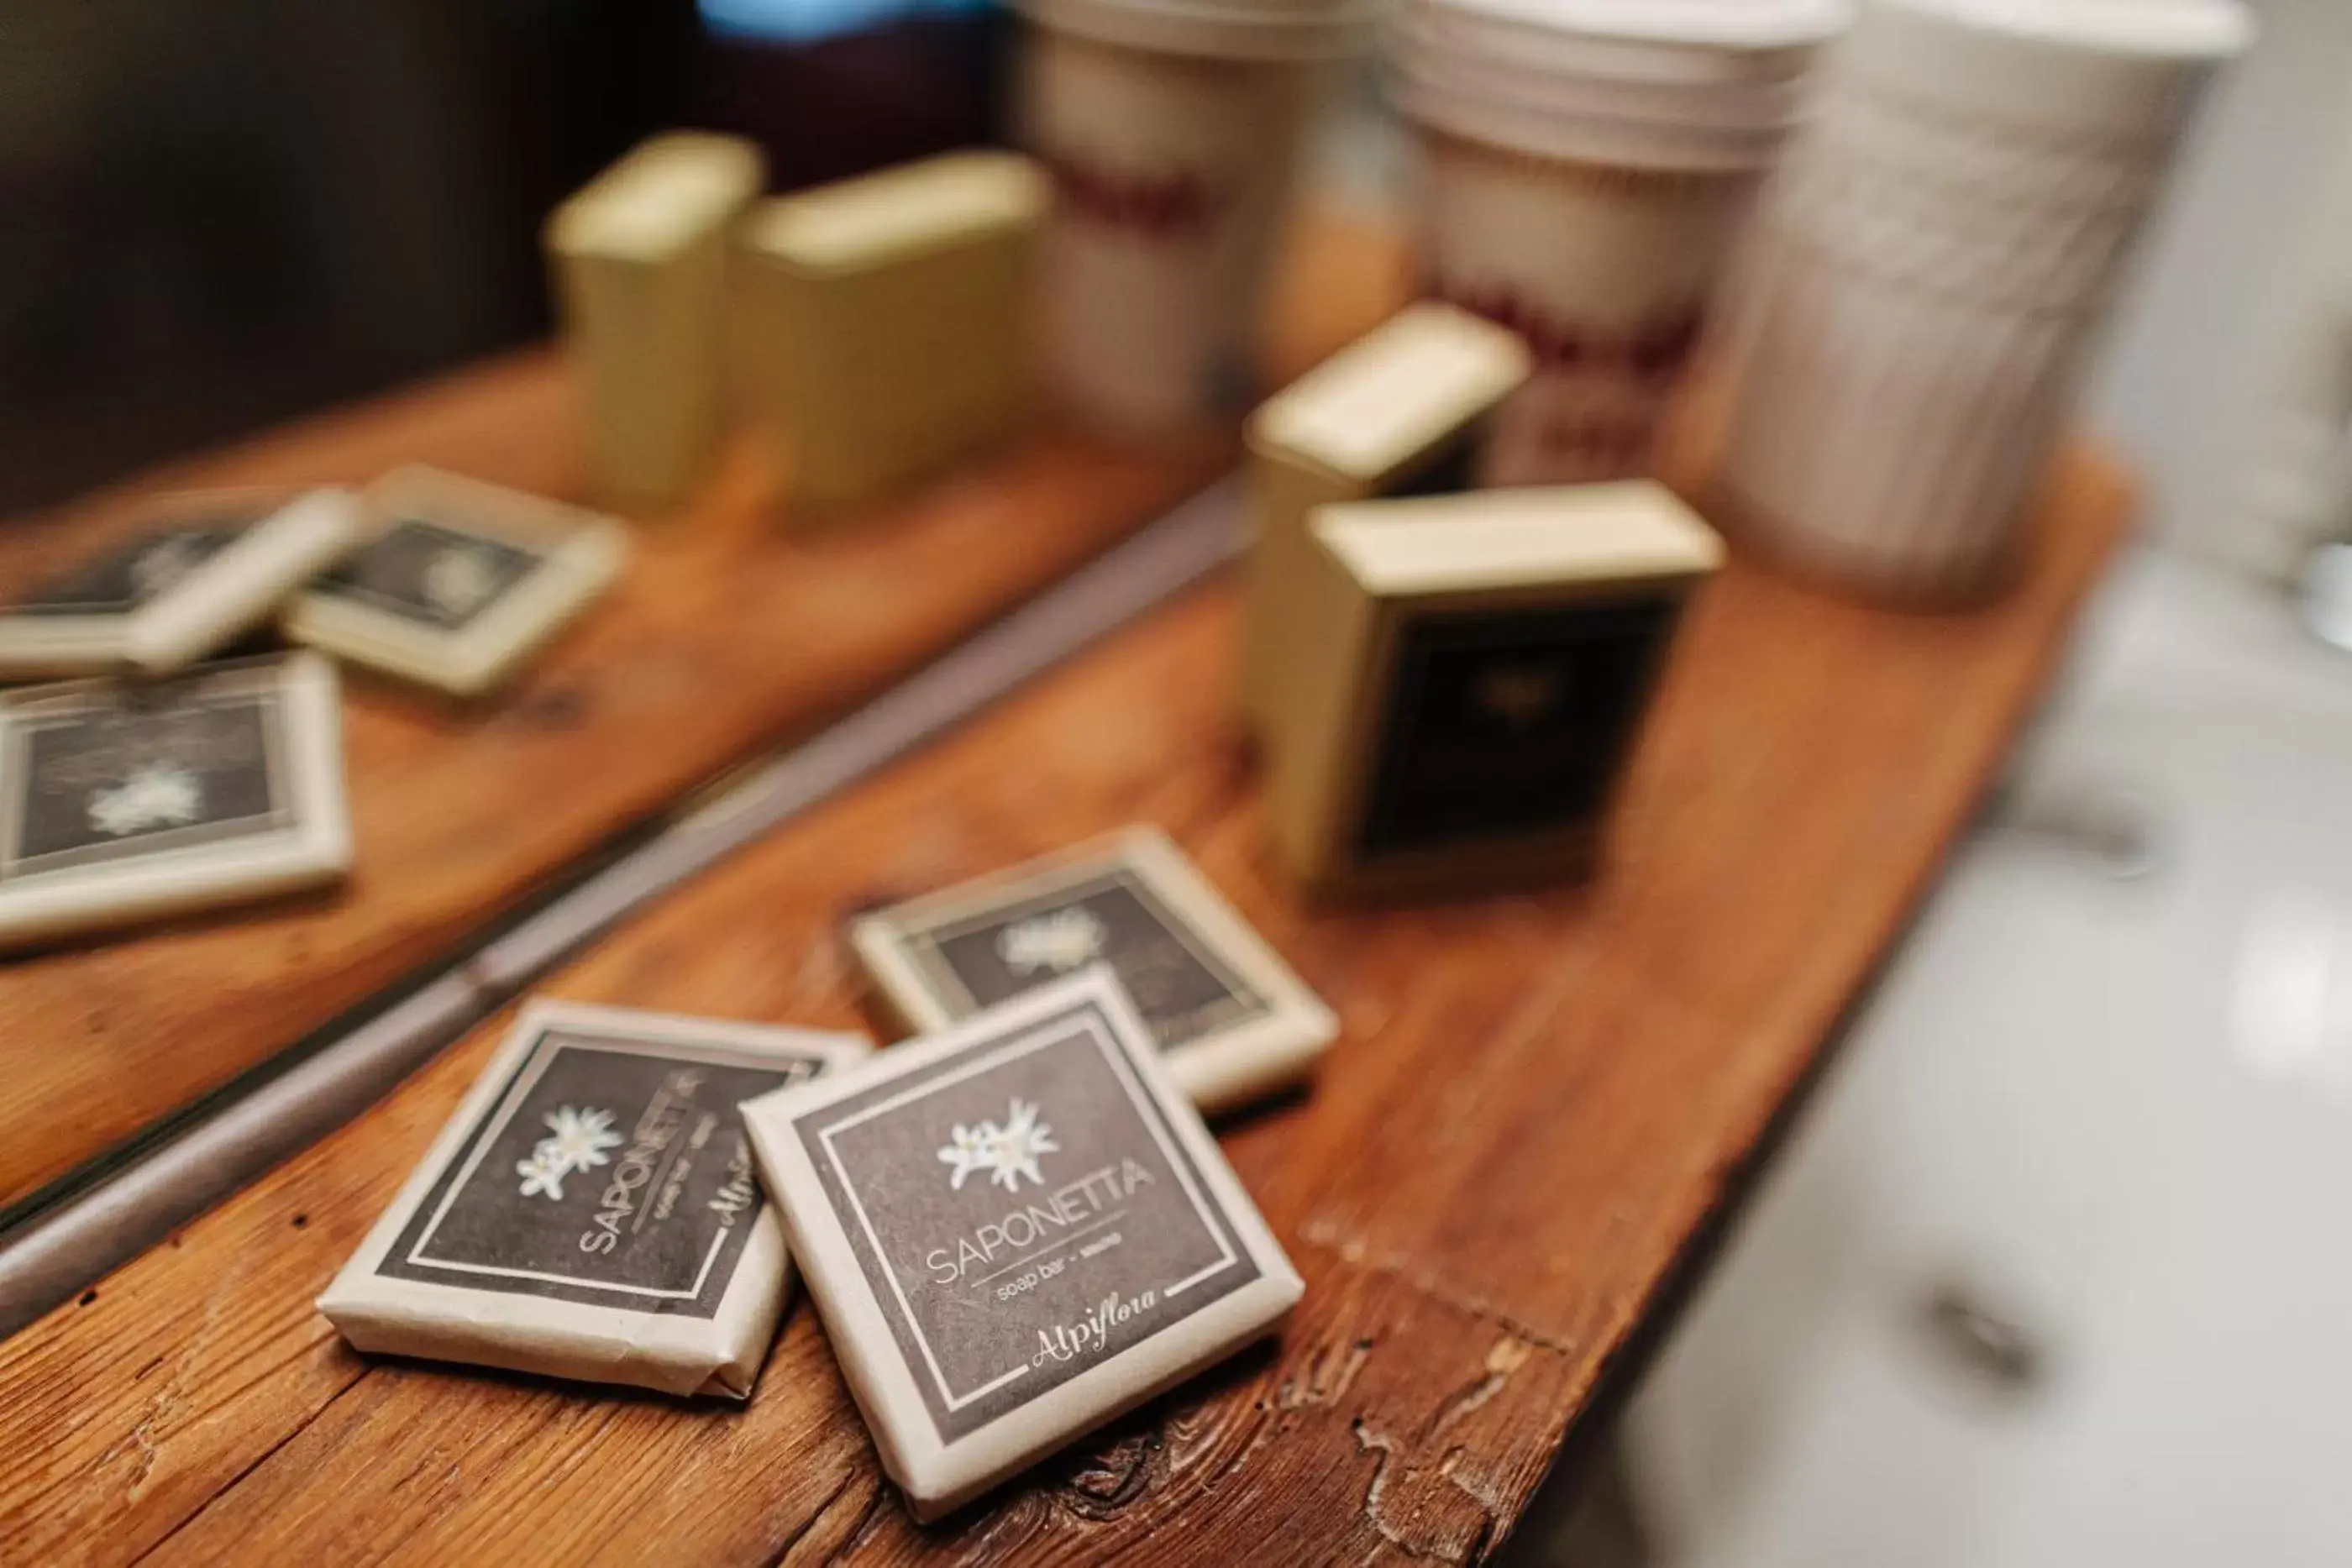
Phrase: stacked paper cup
pixel 1587 166
pixel 1172 130
pixel 1930 268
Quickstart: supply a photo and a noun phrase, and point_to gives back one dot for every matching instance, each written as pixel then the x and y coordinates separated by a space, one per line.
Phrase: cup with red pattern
pixel 1586 166
pixel 1171 131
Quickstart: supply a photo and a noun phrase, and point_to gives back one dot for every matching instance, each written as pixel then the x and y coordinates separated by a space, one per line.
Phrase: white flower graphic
pixel 1062 941
pixel 540 1176
pixel 160 795
pixel 458 579
pixel 576 1140
pixel 580 1136
pixel 1007 1153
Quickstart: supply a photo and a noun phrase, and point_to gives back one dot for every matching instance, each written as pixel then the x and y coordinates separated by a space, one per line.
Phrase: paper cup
pixel 1928 277
pixel 1173 174
pixel 1587 168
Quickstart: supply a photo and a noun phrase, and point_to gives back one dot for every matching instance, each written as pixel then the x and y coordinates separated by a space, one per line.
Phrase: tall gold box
pixel 1486 660
pixel 640 258
pixel 1402 410
pixel 889 314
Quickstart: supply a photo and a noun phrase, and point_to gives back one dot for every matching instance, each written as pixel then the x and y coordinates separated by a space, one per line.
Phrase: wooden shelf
pixel 1539 1111
pixel 730 633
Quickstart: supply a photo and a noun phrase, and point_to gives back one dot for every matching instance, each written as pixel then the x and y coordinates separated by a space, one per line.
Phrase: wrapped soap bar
pixel 1233 1022
pixel 179 591
pixel 889 314
pixel 591 1211
pixel 1016 1229
pixel 640 260
pixel 455 584
pixel 1402 411
pixel 122 803
pixel 1485 663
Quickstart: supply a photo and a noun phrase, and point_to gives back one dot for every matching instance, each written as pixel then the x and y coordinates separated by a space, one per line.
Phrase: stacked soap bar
pixel 1233 1023
pixel 1484 662
pixel 888 316
pixel 591 1209
pixel 640 258
pixel 1016 1229
pixel 1404 410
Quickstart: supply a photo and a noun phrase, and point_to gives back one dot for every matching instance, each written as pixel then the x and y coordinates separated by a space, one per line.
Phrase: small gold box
pixel 640 258
pixel 1486 660
pixel 1402 410
pixel 889 314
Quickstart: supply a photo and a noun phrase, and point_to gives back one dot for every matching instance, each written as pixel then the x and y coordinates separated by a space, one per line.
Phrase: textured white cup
pixel 1929 270
pixel 1173 135
pixel 1585 170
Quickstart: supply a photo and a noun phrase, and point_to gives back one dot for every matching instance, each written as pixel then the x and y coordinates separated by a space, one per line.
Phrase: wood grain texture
pixel 729 632
pixel 1537 1105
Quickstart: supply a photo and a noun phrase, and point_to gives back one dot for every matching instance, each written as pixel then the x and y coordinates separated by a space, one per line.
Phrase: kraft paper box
pixel 889 314
pixel 1016 1229
pixel 1402 410
pixel 592 1211
pixel 454 583
pixel 122 803
pixel 183 590
pixel 1233 1022
pixel 1488 659
pixel 640 258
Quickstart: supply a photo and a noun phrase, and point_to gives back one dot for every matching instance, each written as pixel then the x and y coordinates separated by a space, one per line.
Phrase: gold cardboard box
pixel 889 318
pixel 1486 660
pixel 640 258
pixel 1403 410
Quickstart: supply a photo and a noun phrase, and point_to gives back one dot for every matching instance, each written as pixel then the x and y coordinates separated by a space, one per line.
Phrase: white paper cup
pixel 1587 168
pixel 1929 273
pixel 1173 135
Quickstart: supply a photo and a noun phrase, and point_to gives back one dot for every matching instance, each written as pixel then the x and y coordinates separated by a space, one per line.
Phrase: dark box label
pixel 119 583
pixel 423 572
pixel 95 788
pixel 1501 725
pixel 1179 984
pixel 610 1171
pixel 1022 1211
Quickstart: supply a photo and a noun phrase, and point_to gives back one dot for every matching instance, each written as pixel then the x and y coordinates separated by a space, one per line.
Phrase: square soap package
pixel 1015 1230
pixel 1487 662
pixel 120 802
pixel 1234 1023
pixel 455 583
pixel 181 590
pixel 590 1210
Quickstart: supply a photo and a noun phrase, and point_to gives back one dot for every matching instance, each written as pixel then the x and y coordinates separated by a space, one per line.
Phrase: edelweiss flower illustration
pixel 1516 695
pixel 160 794
pixel 576 1140
pixel 1007 1153
pixel 1062 941
pixel 458 579
pixel 580 1136
pixel 540 1176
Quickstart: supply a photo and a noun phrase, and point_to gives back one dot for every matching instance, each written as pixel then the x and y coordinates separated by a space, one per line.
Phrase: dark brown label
pixel 1180 985
pixel 438 577
pixel 1023 1211
pixel 121 583
pixel 160 770
pixel 1501 725
pixel 610 1170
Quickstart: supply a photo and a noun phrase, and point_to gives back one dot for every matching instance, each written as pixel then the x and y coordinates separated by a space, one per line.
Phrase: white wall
pixel 2224 327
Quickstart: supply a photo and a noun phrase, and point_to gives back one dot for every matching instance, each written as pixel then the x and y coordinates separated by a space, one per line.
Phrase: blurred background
pixel 2047 1275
